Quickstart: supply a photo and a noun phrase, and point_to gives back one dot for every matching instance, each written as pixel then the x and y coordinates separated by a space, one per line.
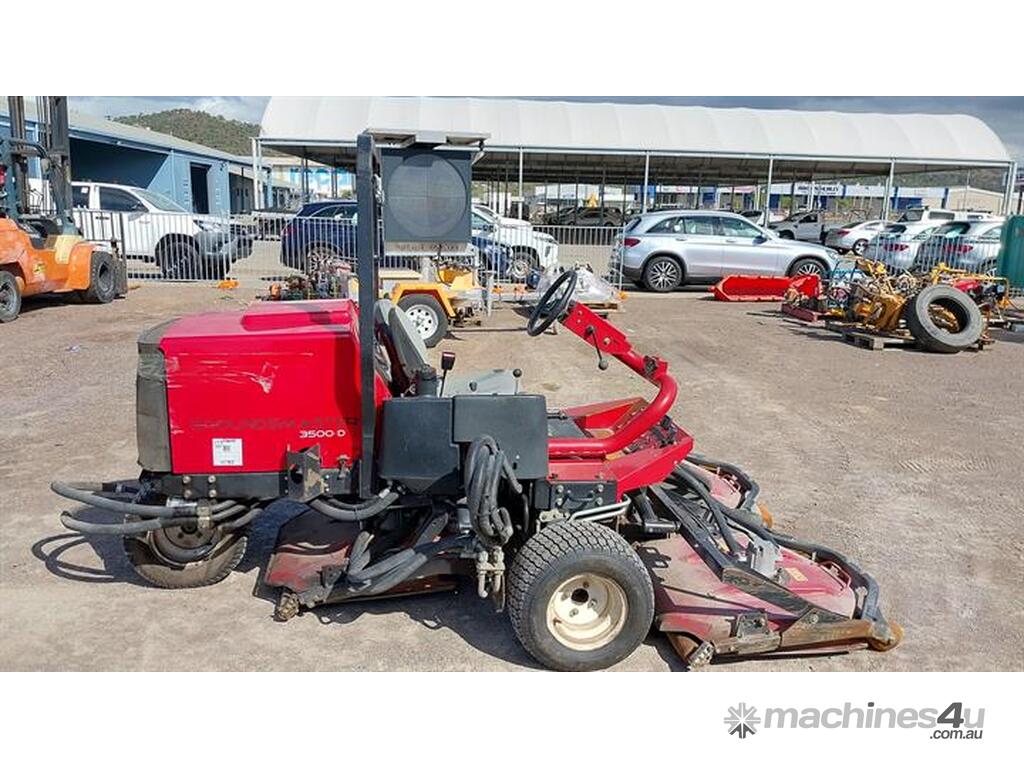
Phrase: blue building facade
pixel 198 178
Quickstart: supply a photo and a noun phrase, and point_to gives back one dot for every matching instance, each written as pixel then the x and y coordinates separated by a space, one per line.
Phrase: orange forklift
pixel 41 248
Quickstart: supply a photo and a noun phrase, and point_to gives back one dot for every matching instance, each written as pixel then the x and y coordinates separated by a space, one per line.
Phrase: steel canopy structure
pixel 577 142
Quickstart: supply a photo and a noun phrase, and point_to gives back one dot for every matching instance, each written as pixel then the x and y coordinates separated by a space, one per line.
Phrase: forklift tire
pixel 158 558
pixel 579 597
pixel 935 303
pixel 10 297
pixel 102 279
pixel 427 315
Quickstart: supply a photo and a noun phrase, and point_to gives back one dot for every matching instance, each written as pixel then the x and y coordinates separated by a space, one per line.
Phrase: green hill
pixel 210 130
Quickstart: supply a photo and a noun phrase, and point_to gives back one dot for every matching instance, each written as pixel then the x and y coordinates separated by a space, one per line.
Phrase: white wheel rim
pixel 664 274
pixel 809 269
pixel 587 611
pixel 424 319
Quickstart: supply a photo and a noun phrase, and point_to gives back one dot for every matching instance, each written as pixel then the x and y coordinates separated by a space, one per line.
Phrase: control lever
pixel 517 374
pixel 602 364
pixel 447 363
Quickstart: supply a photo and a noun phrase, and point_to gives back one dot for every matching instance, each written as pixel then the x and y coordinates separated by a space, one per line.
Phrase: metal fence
pixel 192 247
pixel 971 246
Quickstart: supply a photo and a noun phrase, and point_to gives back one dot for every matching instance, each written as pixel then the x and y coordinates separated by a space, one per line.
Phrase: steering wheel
pixel 553 303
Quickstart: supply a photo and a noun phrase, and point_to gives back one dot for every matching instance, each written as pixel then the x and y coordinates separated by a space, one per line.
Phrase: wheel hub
pixel 587 611
pixel 182 545
pixel 664 274
pixel 423 319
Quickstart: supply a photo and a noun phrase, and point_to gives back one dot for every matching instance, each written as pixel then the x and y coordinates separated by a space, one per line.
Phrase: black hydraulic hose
pixel 486 466
pixel 113 505
pixel 713 506
pixel 419 556
pixel 122 529
pixel 752 488
pixel 248 517
pixel 353 513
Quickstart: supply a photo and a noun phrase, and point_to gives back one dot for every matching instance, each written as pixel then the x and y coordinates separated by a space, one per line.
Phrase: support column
pixel 1011 177
pixel 886 202
pixel 519 215
pixel 647 176
pixel 766 210
pixel 257 186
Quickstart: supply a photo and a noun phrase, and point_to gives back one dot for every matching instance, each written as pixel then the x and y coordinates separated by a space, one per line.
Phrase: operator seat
pixel 411 355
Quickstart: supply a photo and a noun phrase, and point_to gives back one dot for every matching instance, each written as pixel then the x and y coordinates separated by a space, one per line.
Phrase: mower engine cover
pixel 227 392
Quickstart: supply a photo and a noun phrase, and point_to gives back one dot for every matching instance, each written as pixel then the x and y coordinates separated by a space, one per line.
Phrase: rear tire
pixel 928 313
pixel 662 274
pixel 427 315
pixel 10 297
pixel 162 557
pixel 786 235
pixel 579 597
pixel 102 279
pixel 178 260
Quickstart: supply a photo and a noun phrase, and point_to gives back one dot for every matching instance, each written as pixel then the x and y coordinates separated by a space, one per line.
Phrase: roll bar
pixel 607 339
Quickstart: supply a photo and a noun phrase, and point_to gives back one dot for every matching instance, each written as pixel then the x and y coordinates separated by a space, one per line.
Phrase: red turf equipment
pixel 590 523
pixel 763 287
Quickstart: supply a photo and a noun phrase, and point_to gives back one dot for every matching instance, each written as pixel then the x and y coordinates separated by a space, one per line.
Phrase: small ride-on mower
pixel 589 523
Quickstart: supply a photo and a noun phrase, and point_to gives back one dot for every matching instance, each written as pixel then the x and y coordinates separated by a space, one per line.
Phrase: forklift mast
pixel 54 152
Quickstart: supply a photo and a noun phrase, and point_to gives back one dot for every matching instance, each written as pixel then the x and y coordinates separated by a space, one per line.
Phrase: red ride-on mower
pixel 589 524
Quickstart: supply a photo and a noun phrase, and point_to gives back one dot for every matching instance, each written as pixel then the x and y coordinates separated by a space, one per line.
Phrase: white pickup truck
pixel 531 249
pixel 151 227
pixel 806 225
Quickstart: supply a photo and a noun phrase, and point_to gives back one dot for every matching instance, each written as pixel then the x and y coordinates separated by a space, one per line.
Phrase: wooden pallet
pixel 854 334
pixel 802 313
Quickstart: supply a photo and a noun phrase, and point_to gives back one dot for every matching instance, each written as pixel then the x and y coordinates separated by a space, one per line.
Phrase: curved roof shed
pixel 582 141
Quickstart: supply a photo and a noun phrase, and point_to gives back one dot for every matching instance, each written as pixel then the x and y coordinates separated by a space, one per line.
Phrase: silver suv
pixel 661 251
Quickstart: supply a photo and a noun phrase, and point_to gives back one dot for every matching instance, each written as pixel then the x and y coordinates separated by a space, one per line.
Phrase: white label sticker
pixel 227 452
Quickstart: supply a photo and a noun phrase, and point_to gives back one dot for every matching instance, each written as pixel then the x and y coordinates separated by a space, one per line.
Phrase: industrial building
pixel 199 178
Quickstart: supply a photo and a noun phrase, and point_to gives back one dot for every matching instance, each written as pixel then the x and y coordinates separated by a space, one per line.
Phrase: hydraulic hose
pixel 486 466
pixel 752 489
pixel 713 505
pixel 122 529
pixel 353 513
pixel 77 492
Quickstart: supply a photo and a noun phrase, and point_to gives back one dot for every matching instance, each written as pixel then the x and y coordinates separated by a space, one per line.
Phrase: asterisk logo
pixel 742 720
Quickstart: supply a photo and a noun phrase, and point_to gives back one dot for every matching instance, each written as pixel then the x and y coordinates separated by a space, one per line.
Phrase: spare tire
pixel 944 319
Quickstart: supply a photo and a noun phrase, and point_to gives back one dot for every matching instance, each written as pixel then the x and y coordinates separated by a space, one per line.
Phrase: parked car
pixel 806 225
pixel 758 216
pixel 150 226
pixel 531 250
pixel 327 229
pixel 853 237
pixel 896 246
pixel 970 245
pixel 270 221
pixel 661 251
pixel 321 229
pixel 587 217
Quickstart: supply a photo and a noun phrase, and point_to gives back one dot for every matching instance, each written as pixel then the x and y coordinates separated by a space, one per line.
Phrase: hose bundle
pixel 486 466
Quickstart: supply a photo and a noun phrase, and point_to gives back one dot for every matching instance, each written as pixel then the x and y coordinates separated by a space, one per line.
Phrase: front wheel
pixel 184 558
pixel 178 260
pixel 803 267
pixel 579 597
pixel 102 279
pixel 427 315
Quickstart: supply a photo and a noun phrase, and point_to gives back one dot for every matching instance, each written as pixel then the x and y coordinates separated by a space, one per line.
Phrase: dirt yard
pixel 909 462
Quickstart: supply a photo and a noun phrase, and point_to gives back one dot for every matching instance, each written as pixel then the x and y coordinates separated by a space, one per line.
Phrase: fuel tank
pixel 224 392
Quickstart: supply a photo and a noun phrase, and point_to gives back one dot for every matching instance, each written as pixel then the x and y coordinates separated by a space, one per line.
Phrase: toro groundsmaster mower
pixel 588 524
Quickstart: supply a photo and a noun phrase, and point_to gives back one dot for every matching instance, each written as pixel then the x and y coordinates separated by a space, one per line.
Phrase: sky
pixel 1004 114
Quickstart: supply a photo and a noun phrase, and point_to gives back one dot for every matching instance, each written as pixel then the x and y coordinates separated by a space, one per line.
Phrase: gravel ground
pixel 908 462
